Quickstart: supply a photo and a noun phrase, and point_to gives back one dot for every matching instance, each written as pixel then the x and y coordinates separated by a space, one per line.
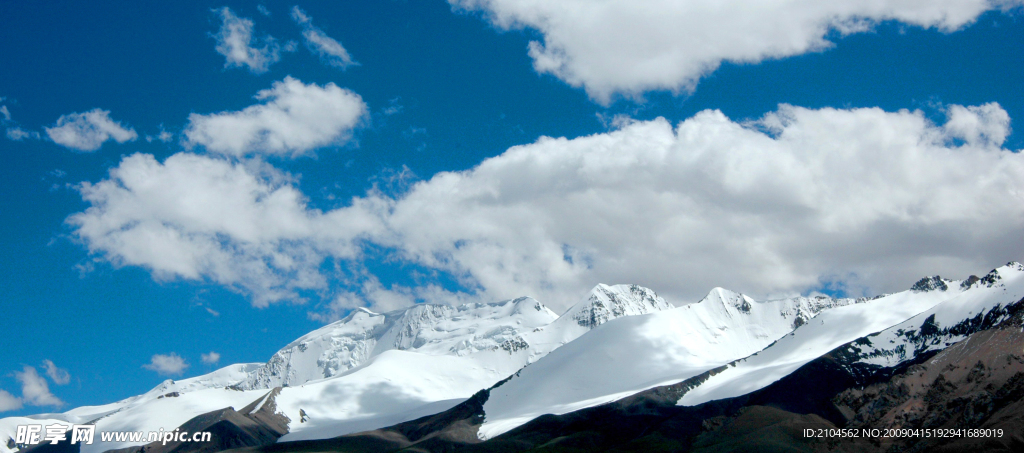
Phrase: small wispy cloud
pixel 329 49
pixel 166 364
pixel 13 130
pixel 34 390
pixel 9 402
pixel 394 107
pixel 59 376
pixel 88 131
pixel 18 134
pixel 235 41
pixel 211 358
pixel 163 136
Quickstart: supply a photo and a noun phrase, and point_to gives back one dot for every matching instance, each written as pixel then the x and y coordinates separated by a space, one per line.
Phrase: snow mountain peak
pixel 994 276
pixel 931 284
pixel 730 300
pixel 433 329
pixel 608 302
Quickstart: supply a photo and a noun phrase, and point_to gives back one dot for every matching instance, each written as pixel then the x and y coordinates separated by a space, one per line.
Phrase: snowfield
pixel 635 353
pixel 372 370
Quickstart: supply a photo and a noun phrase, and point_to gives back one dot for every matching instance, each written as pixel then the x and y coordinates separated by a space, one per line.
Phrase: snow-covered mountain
pixel 168 404
pixel 984 305
pixel 373 370
pixel 431 329
pixel 886 331
pixel 370 370
pixel 606 303
pixel 511 326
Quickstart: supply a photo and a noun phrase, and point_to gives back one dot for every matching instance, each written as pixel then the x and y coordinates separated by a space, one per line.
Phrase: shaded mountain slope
pixel 258 423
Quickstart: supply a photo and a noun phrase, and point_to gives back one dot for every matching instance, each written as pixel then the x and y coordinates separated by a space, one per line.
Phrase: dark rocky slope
pixel 257 424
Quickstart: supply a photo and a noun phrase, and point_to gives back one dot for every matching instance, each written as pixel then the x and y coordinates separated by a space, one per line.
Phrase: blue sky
pixel 861 151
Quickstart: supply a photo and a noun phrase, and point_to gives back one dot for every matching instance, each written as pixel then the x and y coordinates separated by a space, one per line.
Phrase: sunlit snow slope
pixel 371 370
pixel 635 353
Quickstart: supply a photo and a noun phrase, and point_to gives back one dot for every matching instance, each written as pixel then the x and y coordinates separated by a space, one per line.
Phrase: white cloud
pixel 236 43
pixel 981 125
pixel 13 130
pixel 868 198
pixel 34 390
pixel 18 134
pixel 59 376
pixel 197 217
pixel 294 118
pixel 9 402
pixel 394 107
pixel 371 294
pixel 166 364
pixel 263 10
pixel 330 50
pixel 632 46
pixel 163 136
pixel 874 197
pixel 87 131
pixel 211 358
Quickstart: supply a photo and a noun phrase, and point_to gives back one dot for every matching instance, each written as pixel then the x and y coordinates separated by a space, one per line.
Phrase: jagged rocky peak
pixel 993 277
pixel 607 302
pixel 930 284
pixel 975 310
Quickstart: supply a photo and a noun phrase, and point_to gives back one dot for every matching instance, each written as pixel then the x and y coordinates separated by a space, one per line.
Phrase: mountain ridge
pixel 371 370
pixel 342 377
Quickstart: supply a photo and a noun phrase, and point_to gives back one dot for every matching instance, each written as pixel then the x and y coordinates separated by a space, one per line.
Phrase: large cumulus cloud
pixel 239 224
pixel 861 197
pixel 628 47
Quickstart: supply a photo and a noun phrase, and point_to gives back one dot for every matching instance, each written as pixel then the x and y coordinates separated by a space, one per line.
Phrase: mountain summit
pixel 429 328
